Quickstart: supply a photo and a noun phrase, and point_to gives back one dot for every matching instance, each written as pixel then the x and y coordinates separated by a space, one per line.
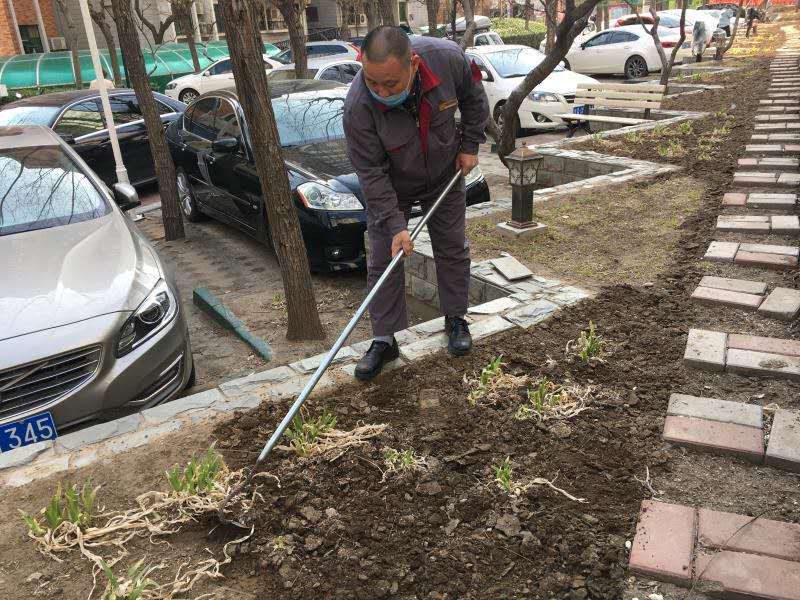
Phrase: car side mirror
pixel 67 137
pixel 225 145
pixel 583 46
pixel 125 196
pixel 206 73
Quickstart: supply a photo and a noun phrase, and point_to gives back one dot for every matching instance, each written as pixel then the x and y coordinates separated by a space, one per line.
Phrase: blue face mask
pixel 394 100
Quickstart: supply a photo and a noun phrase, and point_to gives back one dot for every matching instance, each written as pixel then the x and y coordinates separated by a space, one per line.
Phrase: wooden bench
pixel 612 95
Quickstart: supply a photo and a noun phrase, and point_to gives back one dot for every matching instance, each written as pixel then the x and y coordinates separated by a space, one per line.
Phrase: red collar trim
pixel 428 81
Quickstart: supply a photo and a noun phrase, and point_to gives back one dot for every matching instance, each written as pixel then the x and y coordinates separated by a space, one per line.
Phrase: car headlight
pixel 543 97
pixel 321 197
pixel 170 86
pixel 473 176
pixel 157 310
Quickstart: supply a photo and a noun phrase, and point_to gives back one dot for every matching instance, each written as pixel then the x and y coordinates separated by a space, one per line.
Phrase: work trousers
pixel 450 252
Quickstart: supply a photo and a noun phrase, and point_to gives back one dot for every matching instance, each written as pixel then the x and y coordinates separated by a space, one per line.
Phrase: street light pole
pixel 122 172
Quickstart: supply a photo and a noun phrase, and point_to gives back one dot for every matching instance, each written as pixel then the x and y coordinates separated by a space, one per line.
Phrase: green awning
pixel 55 68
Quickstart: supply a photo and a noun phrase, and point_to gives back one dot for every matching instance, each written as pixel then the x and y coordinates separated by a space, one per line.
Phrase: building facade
pixel 27 26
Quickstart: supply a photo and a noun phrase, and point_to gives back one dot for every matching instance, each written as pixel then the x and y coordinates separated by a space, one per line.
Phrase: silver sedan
pixel 90 321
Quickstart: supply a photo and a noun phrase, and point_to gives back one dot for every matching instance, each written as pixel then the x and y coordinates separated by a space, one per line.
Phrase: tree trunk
pixel 165 170
pixel 575 19
pixel 373 14
pixel 387 12
pixel 666 63
pixel 184 15
pixel 246 47
pixel 432 7
pixel 453 7
pixel 527 14
pixel 297 39
pixel 99 17
pixel 344 28
pixel 551 21
pixel 469 16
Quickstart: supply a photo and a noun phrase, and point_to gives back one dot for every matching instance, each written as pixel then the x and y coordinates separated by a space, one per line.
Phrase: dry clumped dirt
pixel 346 526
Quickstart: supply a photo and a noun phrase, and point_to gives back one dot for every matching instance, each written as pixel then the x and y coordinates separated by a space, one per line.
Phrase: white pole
pixel 42 30
pixel 13 14
pixel 122 173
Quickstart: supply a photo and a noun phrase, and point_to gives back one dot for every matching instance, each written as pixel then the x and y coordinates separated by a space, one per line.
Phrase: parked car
pixel 92 322
pixel 217 177
pixel 487 38
pixel 326 48
pixel 626 50
pixel 218 76
pixel 723 5
pixel 78 118
pixel 504 66
pixel 667 21
pixel 326 69
pixel 587 32
pixel 710 18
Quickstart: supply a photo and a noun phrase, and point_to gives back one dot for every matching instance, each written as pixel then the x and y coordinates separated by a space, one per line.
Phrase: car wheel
pixel 498 117
pixel 187 95
pixel 186 198
pixel 635 67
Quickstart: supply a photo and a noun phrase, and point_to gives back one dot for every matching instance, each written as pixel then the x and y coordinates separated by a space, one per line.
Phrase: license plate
pixel 37 428
pixel 579 110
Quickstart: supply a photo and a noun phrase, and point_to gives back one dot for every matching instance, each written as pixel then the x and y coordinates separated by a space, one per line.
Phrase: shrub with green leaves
pixel 303 433
pixel 490 372
pixel 590 345
pixel 68 504
pixel 198 475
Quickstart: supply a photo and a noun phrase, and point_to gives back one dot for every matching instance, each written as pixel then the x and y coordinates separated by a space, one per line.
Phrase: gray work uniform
pixel 401 158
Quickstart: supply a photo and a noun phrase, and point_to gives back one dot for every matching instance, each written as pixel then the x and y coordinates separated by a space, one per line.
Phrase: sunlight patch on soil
pixel 615 235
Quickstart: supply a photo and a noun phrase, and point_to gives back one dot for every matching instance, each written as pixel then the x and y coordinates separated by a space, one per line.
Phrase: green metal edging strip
pixel 216 309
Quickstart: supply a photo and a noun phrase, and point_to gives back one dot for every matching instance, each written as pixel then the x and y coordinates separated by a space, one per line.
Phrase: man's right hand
pixel 402 240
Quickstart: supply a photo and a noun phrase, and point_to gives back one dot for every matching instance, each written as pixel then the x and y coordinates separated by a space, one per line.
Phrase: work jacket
pixel 400 157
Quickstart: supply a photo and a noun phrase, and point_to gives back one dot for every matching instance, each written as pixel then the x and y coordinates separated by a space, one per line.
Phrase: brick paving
pixel 768 256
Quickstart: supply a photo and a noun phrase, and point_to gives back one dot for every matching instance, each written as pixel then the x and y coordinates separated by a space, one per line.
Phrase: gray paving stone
pixel 490 326
pixel 429 327
pixel 748 362
pixel 705 349
pixel 789 179
pixel 22 456
pixel 246 402
pixel 770 249
pixel 37 470
pixel 310 364
pixel 731 223
pixel 424 290
pixel 715 410
pixel 721 251
pixel 727 298
pixel 423 348
pixel 735 285
pixel 493 307
pixel 781 303
pixel 761 200
pixel 142 437
pixel 531 313
pixel 97 433
pixel 168 410
pixel 785 224
pixel 568 295
pixel 783 449
pixel 243 385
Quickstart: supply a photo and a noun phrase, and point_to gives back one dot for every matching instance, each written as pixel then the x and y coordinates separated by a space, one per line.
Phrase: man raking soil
pixel 403 142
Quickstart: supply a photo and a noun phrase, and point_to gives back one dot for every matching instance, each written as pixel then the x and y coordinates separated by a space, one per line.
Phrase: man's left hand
pixel 466 162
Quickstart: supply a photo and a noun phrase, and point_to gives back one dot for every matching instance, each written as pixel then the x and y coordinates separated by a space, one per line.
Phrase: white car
pixel 330 48
pixel 343 71
pixel 487 38
pixel 628 50
pixel 585 34
pixel 504 66
pixel 218 76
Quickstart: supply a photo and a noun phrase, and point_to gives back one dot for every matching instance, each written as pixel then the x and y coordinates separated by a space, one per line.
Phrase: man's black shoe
pixel 372 362
pixel 459 340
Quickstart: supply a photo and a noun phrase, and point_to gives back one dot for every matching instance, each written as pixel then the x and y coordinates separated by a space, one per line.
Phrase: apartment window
pixel 31 40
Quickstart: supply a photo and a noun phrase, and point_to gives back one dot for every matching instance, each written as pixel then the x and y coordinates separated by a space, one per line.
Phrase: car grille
pixel 47 380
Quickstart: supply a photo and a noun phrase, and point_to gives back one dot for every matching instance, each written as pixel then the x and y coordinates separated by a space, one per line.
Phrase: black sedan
pixel 217 177
pixel 78 118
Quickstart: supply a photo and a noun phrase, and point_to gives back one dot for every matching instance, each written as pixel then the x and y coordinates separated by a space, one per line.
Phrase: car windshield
pixel 516 62
pixel 308 118
pixel 41 187
pixel 669 21
pixel 29 115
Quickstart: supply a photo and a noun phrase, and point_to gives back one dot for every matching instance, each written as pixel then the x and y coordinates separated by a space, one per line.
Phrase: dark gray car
pixel 90 322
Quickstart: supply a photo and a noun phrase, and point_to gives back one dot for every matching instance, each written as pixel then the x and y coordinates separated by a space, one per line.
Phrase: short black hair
pixel 384 42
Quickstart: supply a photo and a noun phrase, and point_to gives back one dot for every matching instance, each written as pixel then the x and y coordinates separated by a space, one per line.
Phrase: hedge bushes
pixel 513 31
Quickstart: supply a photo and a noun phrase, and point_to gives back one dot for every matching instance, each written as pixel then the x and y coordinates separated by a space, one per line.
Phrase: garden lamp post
pixel 523 169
